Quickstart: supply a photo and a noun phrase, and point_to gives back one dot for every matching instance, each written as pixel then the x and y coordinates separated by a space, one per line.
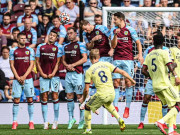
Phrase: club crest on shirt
pixel 54 49
pixel 27 52
pixel 97 32
pixel 76 46
pixel 125 32
pixel 29 36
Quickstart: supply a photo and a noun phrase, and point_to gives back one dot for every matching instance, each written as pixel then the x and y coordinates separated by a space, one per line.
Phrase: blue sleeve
pixel 12 28
pixel 63 31
pixel 49 30
pixel 157 2
pixel 60 51
pixel 19 20
pixel 141 2
pixel 11 55
pixel 35 19
pixel 34 38
pixel 32 54
pixel 133 33
pixel 21 28
pixel 82 48
pixel 112 32
pixel 104 30
pixel 38 51
pixel 85 38
pixel 146 53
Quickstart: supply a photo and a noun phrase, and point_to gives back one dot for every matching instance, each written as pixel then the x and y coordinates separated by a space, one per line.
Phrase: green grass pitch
pixel 96 129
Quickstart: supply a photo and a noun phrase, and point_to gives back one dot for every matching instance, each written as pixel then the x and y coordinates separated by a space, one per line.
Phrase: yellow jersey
pixel 101 75
pixel 156 62
pixel 175 56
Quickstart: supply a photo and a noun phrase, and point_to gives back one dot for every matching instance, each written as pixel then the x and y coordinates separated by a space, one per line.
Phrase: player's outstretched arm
pixel 125 74
pixel 139 47
pixel 145 71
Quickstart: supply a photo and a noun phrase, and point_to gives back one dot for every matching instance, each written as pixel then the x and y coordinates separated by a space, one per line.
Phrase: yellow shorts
pixel 169 96
pixel 96 101
pixel 173 84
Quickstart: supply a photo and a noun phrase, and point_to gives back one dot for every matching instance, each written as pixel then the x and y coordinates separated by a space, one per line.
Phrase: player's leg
pixel 128 66
pixel 81 121
pixel 29 92
pixel 44 89
pixel 16 93
pixel 55 81
pixel 87 116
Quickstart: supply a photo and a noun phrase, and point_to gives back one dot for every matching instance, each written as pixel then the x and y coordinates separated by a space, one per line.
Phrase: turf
pixel 96 129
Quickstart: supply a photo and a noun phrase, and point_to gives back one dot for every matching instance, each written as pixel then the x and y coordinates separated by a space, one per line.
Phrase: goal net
pixel 146 21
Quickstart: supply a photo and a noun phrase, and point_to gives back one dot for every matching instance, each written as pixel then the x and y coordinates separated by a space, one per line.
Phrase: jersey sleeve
pixel 133 34
pixel 104 30
pixel 63 32
pixel 21 28
pixel 32 54
pixel 35 19
pixel 19 20
pixel 112 32
pixel 88 77
pixel 166 57
pixel 38 51
pixel 11 55
pixel 63 51
pixel 60 51
pixel 85 38
pixel 49 30
pixel 145 61
pixel 34 38
pixel 83 48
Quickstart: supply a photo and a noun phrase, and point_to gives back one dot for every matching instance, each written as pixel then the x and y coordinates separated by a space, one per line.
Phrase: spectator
pixel 98 19
pixel 4 63
pixel 170 39
pixel 8 93
pixel 99 4
pixel 27 14
pixel 44 26
pixel 14 44
pixel 36 10
pixel 5 7
pixel 177 3
pixel 2 84
pixel 147 3
pixel 58 3
pixel 59 28
pixel 13 38
pixel 71 9
pixel 30 33
pixel 3 41
pixel 108 3
pixel 76 25
pixel 6 27
pixel 154 3
pixel 49 9
pixel 91 11
pixel 127 3
pixel 116 2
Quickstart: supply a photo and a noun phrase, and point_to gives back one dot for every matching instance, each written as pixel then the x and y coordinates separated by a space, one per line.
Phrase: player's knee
pixel 55 96
pixel 70 96
pixel 128 83
pixel 116 83
pixel 146 99
pixel 16 100
pixel 79 96
pixel 30 100
pixel 44 99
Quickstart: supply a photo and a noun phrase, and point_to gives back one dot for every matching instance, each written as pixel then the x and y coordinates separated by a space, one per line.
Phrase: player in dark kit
pixel 74 55
pixel 22 62
pixel 122 37
pixel 48 57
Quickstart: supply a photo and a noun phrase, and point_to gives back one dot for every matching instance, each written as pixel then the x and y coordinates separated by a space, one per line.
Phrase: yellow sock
pixel 112 110
pixel 87 115
pixel 175 119
pixel 170 114
pixel 171 122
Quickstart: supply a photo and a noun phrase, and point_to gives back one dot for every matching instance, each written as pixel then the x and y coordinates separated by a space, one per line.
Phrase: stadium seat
pixel 40 40
pixel 18 7
pixel 14 18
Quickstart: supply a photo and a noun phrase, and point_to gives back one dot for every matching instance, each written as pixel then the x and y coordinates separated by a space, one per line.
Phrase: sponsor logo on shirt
pixel 48 54
pixel 29 35
pixel 97 32
pixel 76 46
pixel 54 49
pixel 126 33
pixel 125 39
pixel 27 52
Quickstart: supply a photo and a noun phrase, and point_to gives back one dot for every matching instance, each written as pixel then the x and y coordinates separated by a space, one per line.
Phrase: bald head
pixel 27 23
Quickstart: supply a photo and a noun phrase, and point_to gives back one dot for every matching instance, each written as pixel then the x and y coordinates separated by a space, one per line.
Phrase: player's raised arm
pixel 125 74
pixel 139 47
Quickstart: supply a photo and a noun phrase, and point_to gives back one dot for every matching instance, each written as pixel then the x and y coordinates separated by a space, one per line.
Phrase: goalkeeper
pixel 100 74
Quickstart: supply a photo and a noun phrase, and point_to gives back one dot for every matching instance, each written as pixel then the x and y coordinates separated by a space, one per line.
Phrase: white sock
pixel 171 129
pixel 161 121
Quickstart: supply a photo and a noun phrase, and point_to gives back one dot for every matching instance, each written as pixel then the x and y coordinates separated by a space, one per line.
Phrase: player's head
pixel 158 40
pixel 52 37
pixel 72 34
pixel 21 38
pixel 98 19
pixel 6 19
pixel 94 55
pixel 85 26
pixel 15 32
pixel 27 10
pixel 27 23
pixel 178 39
pixel 56 21
pixel 119 19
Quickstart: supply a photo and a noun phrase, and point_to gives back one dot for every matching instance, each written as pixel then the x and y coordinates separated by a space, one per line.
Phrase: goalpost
pixel 145 20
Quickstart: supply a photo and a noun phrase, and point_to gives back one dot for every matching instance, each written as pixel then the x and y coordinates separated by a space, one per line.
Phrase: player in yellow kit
pixel 175 56
pixel 101 74
pixel 155 66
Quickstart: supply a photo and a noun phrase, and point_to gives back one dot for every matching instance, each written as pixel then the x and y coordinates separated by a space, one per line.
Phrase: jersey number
pixel 153 64
pixel 103 77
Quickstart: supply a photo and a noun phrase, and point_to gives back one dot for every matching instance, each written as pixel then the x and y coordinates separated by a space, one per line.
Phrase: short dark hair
pixel 98 16
pixel 83 22
pixel 119 15
pixel 71 28
pixel 21 34
pixel 54 31
pixel 32 1
pixel 55 16
pixel 5 47
pixel 15 29
pixel 157 32
pixel 27 6
pixel 46 16
pixel 7 14
pixel 158 39
pixel 178 34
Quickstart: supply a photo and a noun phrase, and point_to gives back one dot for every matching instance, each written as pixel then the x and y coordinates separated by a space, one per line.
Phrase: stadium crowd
pixel 36 18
